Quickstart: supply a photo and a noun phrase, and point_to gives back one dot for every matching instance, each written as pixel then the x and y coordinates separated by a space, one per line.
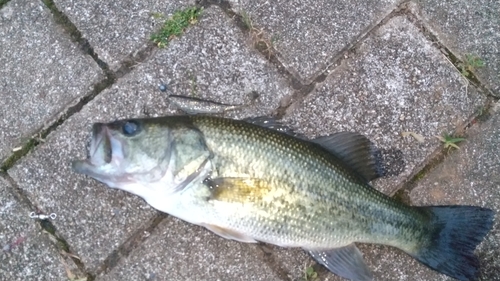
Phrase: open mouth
pixel 100 151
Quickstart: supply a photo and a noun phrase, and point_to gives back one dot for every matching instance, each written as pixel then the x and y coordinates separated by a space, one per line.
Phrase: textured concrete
pixel 307 35
pixel 470 177
pixel 394 82
pixel 212 61
pixel 116 29
pixel 41 72
pixel 26 252
pixel 113 215
pixel 179 251
pixel 469 27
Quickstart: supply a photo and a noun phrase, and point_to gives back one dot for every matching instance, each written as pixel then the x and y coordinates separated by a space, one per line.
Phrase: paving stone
pixel 393 82
pixel 42 72
pixel 116 29
pixel 469 27
pixel 470 177
pixel 95 219
pixel 179 251
pixel 26 253
pixel 308 34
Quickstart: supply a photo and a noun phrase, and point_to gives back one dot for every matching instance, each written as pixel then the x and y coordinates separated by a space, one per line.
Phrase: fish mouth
pixel 100 152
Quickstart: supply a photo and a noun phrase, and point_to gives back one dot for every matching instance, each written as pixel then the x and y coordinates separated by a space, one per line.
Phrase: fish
pixel 254 181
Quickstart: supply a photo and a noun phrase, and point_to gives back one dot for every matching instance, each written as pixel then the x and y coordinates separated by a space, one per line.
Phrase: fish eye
pixel 130 128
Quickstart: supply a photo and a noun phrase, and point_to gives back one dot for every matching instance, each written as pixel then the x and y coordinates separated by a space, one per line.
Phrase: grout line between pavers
pixel 62 247
pixel 302 91
pixel 132 242
pixel 413 14
pixel 110 78
pixel 3 3
pixel 440 153
pixel 76 36
pixel 265 48
pixel 405 8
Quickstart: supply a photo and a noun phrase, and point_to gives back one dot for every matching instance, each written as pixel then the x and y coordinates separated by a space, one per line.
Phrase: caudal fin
pixel 456 231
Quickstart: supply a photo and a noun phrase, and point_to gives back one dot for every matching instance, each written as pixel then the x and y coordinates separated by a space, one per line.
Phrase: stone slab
pixel 469 27
pixel 116 29
pixel 470 177
pixel 178 251
pixel 42 72
pixel 309 34
pixel 26 253
pixel 95 219
pixel 393 82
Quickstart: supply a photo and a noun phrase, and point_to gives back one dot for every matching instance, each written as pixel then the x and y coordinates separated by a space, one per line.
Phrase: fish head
pixel 126 153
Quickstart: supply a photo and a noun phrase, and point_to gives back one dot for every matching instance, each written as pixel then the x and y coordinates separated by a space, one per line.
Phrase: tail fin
pixel 456 231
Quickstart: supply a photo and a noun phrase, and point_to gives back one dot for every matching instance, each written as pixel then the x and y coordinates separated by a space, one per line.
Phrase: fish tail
pixel 455 233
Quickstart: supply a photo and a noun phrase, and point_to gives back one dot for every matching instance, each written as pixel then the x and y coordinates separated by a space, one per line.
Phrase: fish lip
pixel 100 151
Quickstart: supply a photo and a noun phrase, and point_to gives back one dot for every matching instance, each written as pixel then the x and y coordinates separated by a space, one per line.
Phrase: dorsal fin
pixel 356 151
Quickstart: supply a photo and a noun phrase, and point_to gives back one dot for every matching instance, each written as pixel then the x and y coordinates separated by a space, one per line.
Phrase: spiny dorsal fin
pixel 356 151
pixel 238 189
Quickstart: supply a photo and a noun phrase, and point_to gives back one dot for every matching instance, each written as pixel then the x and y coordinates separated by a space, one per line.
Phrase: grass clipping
pixel 176 25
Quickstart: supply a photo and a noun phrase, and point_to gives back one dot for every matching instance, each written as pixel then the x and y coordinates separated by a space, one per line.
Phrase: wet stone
pixel 42 72
pixel 468 28
pixel 176 250
pixel 94 219
pixel 117 29
pixel 470 176
pixel 26 253
pixel 395 82
pixel 308 35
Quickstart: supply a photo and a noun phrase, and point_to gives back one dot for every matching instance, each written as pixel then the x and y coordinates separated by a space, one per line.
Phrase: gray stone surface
pixel 177 250
pixel 41 72
pixel 470 177
pixel 308 34
pixel 116 29
pixel 95 219
pixel 469 27
pixel 26 253
pixel 394 82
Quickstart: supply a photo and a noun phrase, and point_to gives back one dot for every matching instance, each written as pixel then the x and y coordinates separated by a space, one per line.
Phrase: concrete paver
pixel 212 61
pixel 395 81
pixel 470 177
pixel 95 219
pixel 177 250
pixel 469 27
pixel 26 252
pixel 307 35
pixel 42 72
pixel 116 29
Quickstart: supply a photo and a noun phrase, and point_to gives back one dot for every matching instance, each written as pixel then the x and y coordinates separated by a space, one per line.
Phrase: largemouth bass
pixel 256 182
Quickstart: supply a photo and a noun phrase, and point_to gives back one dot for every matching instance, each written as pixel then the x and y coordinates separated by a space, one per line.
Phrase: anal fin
pixel 229 234
pixel 345 261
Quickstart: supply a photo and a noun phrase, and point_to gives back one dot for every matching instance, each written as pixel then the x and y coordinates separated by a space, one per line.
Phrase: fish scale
pixel 320 178
pixel 256 180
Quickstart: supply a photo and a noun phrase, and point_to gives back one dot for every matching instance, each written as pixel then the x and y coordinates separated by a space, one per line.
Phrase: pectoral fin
pixel 238 189
pixel 346 262
pixel 229 234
